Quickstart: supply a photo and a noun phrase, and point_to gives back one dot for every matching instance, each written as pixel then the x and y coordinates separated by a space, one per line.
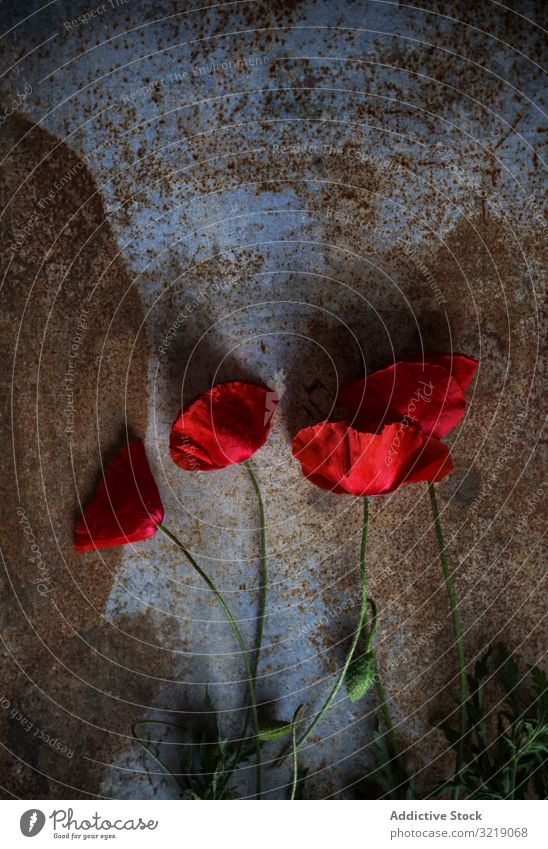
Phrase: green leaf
pixel 504 767
pixel 273 729
pixel 510 676
pixel 359 676
pixel 389 777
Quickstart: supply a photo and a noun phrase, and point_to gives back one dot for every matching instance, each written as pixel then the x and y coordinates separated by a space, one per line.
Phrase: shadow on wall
pixel 75 353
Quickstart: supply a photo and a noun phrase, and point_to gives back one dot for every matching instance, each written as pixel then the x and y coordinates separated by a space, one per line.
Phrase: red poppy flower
pixel 126 506
pixel 225 425
pixel 340 458
pixel 425 393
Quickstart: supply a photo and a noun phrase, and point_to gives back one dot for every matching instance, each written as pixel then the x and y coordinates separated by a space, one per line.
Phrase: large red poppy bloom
pixel 225 425
pixel 342 459
pixel 126 506
pixel 425 393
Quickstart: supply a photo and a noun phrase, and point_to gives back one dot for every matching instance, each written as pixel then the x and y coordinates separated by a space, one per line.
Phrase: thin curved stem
pixel 262 602
pixel 264 569
pixel 457 629
pixel 295 754
pixel 361 619
pixel 239 638
pixel 386 713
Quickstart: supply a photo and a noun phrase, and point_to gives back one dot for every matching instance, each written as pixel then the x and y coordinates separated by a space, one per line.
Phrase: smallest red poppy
pixel 126 506
pixel 225 425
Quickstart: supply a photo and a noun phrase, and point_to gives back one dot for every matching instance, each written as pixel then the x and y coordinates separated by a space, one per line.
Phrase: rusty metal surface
pixel 313 186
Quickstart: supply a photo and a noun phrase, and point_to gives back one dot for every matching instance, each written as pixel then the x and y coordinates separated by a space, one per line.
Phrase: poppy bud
pixel 360 676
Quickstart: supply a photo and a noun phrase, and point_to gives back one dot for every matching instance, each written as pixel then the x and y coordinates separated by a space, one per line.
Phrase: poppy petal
pixel 126 506
pixel 338 457
pixel 460 367
pixel 225 425
pixel 423 395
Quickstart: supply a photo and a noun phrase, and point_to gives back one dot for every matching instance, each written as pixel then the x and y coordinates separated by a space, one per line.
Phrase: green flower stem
pixel 361 619
pixel 457 629
pixel 294 752
pixel 294 756
pixel 262 602
pixel 264 570
pixel 386 714
pixel 262 599
pixel 262 606
pixel 237 634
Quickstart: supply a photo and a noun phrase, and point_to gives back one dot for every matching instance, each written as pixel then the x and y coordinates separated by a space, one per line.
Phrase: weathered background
pixel 357 180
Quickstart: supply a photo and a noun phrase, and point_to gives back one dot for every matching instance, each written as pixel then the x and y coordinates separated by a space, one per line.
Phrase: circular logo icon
pixel 32 822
